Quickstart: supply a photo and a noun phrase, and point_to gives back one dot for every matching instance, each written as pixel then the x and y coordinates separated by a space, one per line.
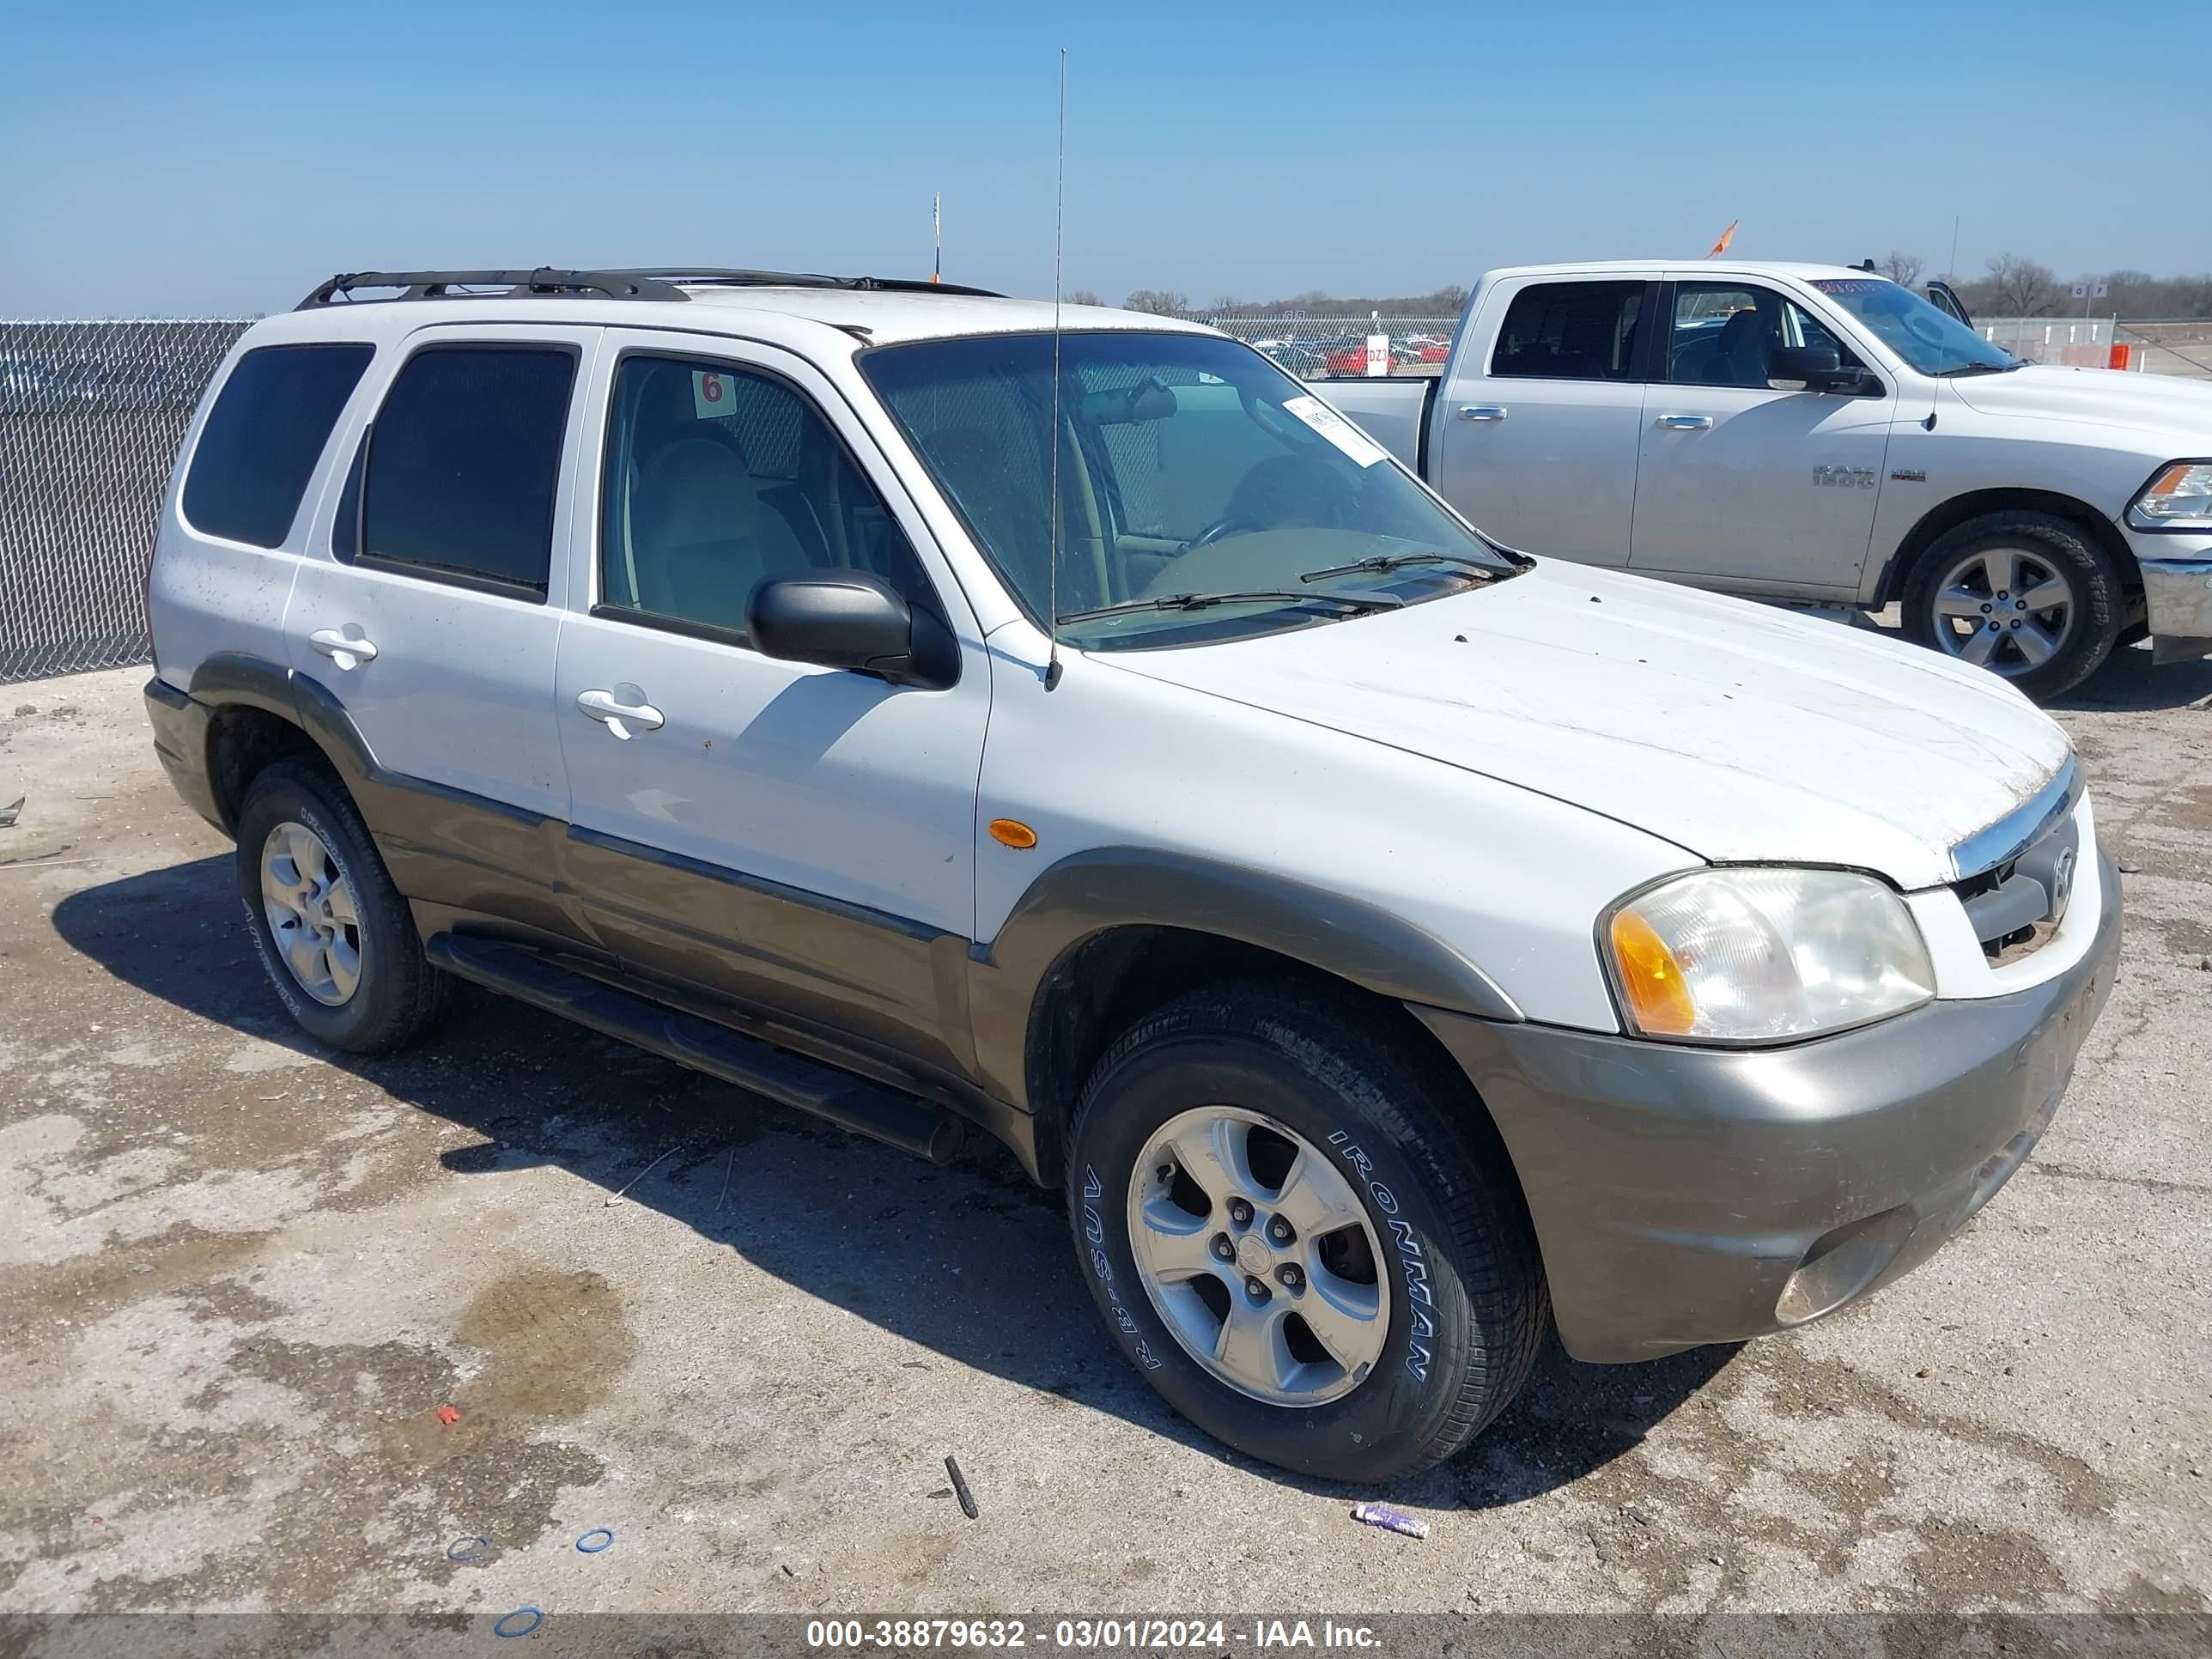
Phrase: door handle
pixel 348 649
pixel 1482 411
pixel 618 715
pixel 1687 422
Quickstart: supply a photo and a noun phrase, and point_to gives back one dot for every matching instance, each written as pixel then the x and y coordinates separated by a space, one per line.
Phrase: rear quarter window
pixel 261 440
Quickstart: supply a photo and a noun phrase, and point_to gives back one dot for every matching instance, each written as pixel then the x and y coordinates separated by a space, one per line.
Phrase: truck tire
pixel 1307 1239
pixel 2029 595
pixel 338 940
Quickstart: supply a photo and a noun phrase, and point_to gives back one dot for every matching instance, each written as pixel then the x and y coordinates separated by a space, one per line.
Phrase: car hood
pixel 2166 403
pixel 1738 732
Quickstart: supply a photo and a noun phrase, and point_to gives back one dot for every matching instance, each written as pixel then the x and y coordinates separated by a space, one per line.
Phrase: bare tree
pixel 1159 303
pixel 1903 269
pixel 1226 305
pixel 1082 296
pixel 2021 288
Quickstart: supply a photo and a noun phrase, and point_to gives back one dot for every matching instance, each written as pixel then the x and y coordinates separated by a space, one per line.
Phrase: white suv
pixel 922 714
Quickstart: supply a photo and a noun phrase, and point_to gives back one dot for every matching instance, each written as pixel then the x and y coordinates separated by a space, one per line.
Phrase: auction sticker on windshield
pixel 1334 427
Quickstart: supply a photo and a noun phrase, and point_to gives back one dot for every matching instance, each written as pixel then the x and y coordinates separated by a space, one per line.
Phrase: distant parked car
pixel 1346 357
pixel 1291 357
pixel 20 380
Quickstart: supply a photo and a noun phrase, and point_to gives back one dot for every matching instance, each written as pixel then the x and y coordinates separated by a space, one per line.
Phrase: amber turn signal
pixel 1651 979
pixel 1012 832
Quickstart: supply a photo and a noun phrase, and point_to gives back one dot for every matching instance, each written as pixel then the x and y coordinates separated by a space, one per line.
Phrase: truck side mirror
pixel 852 619
pixel 1818 368
pixel 1802 368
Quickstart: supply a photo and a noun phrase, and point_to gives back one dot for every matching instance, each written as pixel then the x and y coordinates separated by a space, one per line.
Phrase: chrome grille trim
pixel 2021 828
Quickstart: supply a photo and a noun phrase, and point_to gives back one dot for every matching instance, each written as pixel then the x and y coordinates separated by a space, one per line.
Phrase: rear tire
pixel 1972 596
pixel 1426 1211
pixel 336 938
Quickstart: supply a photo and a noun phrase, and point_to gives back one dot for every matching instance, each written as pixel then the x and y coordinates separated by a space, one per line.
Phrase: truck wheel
pixel 2027 595
pixel 1309 1240
pixel 334 934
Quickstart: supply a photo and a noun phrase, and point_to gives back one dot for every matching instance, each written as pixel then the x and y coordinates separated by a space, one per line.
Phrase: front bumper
pixel 1684 1195
pixel 2177 605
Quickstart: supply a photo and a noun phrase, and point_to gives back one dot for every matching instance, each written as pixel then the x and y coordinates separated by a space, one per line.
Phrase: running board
pixel 789 1080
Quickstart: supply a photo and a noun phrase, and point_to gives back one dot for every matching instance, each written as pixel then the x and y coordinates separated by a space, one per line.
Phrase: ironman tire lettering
pixel 1409 1254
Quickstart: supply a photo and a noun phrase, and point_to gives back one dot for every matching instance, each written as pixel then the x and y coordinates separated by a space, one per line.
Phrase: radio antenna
pixel 1058 227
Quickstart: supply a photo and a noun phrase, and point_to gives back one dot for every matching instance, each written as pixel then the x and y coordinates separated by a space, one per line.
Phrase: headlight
pixel 2179 498
pixel 1760 955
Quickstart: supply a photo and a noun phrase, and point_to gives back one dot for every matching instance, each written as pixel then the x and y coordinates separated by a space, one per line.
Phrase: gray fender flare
pixel 1089 893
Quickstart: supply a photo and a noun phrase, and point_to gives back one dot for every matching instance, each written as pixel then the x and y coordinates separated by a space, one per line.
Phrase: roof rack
pixel 544 282
pixel 715 276
pixel 659 284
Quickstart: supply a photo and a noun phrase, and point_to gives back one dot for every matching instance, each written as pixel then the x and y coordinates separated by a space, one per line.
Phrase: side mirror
pixel 852 619
pixel 1802 368
pixel 1818 368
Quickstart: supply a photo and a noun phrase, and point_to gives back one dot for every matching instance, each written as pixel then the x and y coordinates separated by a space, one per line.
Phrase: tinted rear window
pixel 465 461
pixel 263 437
pixel 1571 331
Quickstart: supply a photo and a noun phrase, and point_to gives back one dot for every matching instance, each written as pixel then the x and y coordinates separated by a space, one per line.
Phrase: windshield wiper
pixel 1200 601
pixel 1979 368
pixel 1386 561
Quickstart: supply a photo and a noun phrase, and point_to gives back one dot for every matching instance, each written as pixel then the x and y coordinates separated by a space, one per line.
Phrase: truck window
pixel 718 477
pixel 1571 331
pixel 1932 340
pixel 1723 332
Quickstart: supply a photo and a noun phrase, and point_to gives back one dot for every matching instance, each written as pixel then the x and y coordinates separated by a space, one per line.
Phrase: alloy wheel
pixel 2005 609
pixel 310 913
pixel 1258 1257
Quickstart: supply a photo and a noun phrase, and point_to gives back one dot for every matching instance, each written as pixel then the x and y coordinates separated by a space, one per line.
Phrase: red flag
pixel 1727 236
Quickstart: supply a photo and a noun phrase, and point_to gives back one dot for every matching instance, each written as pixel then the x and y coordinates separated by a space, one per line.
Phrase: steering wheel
pixel 1226 525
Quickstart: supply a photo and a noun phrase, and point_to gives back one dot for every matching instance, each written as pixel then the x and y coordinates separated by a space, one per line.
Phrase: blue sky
pixel 160 160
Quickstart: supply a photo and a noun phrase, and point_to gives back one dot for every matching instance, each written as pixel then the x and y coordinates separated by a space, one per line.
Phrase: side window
pixel 264 436
pixel 1723 333
pixel 718 479
pixel 1571 331
pixel 463 463
pixel 1801 328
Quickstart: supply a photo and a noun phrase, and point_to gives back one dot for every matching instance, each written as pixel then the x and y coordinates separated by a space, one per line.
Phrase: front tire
pixel 1380 1299
pixel 2027 595
pixel 336 938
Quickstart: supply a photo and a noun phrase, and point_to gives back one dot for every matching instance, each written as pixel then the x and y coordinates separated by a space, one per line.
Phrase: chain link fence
pixel 1325 348
pixel 91 414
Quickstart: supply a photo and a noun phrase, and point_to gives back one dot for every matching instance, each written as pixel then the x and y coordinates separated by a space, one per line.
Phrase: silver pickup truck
pixel 1820 434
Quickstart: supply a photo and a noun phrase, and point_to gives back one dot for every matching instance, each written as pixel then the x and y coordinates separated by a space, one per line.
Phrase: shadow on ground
pixel 970 1260
pixel 2130 683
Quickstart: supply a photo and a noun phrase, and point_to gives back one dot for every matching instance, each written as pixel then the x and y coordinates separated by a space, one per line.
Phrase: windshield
pixel 1190 466
pixel 1931 341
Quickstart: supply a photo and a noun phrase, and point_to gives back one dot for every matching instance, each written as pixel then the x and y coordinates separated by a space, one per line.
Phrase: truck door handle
pixel 347 647
pixel 1482 411
pixel 617 715
pixel 1687 422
